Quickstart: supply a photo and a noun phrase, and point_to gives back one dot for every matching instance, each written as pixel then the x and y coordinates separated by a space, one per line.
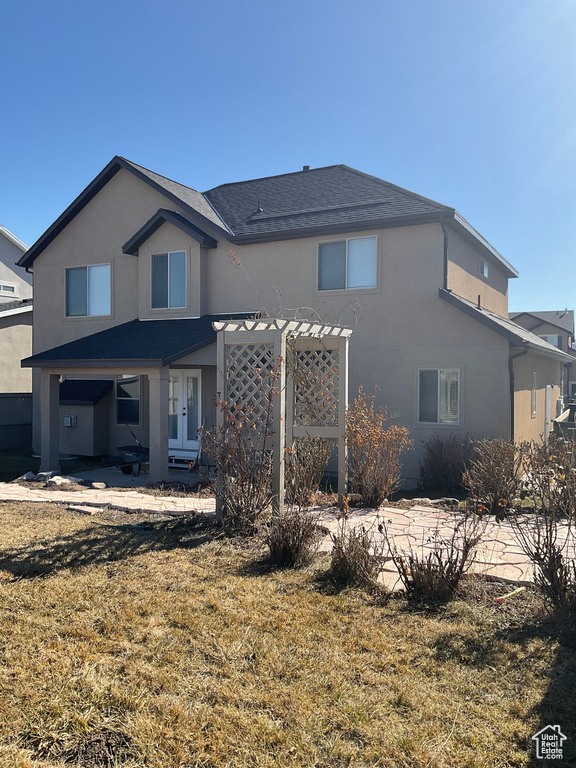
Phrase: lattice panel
pixel 248 369
pixel 315 374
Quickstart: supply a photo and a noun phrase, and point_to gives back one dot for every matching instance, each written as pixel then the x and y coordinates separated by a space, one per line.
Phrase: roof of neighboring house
pixel 15 307
pixel 13 239
pixel 511 331
pixel 306 203
pixel 563 319
pixel 84 391
pixel 136 343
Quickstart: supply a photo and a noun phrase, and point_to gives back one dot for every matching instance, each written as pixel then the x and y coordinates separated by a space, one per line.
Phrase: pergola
pixel 310 360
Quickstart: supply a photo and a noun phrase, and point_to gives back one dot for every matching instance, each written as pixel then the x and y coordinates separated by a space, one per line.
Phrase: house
pixel 15 344
pixel 557 328
pixel 130 278
pixel 15 315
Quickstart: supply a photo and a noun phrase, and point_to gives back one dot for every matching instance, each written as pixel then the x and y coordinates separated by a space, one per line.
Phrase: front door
pixel 184 410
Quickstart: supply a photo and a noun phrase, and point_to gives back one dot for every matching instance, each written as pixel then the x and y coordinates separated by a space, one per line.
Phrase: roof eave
pixel 468 231
pixel 161 217
pixel 33 362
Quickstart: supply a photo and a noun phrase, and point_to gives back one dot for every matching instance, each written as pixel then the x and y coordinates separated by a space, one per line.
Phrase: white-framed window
pixel 127 399
pixel 347 264
pixel 483 268
pixel 534 391
pixel 8 290
pixel 88 291
pixel 438 396
pixel 169 280
pixel 553 339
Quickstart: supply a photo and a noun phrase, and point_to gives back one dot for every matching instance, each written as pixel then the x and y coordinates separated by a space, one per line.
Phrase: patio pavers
pixel 415 530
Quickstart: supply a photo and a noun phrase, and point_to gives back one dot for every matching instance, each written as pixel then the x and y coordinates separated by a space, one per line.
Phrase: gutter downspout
pixel 445 263
pixel 511 374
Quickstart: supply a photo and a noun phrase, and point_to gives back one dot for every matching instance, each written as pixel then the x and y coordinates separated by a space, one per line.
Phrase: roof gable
pixel 563 319
pixel 161 217
pixel 184 197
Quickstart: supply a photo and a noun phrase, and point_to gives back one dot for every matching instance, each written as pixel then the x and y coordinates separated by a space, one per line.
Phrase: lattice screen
pixel 316 387
pixel 248 369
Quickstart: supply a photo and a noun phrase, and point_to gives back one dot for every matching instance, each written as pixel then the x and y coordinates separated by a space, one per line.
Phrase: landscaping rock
pixel 83 510
pixel 447 501
pixel 422 502
pixel 64 480
pixel 98 486
pixel 28 476
pixel 46 475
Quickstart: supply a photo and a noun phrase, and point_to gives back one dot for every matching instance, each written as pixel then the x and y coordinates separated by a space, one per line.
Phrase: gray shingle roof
pixel 14 304
pixel 563 318
pixel 315 198
pixel 138 342
pixel 511 331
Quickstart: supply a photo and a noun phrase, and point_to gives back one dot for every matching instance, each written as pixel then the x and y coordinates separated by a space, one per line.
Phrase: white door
pixel 184 410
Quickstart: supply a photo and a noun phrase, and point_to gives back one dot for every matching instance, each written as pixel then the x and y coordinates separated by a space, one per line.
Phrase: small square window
pixel 438 396
pixel 88 291
pixel 347 264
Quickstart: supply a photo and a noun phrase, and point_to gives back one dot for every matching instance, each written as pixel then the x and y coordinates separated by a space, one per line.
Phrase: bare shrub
pixel 550 477
pixel 357 556
pixel 374 451
pixel 494 477
pixel 293 538
pixel 445 459
pixel 241 449
pixel 306 461
pixel 434 572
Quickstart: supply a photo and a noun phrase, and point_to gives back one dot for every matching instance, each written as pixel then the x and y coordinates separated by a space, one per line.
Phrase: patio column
pixel 50 422
pixel 158 384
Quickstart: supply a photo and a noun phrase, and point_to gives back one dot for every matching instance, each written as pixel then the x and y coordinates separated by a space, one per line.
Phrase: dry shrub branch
pixel 494 477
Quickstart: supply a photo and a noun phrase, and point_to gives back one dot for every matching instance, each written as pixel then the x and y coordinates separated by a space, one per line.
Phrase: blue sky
pixel 469 103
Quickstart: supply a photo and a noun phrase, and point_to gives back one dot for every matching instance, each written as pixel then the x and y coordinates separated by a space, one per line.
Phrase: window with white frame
pixel 127 399
pixel 9 290
pixel 554 339
pixel 484 268
pixel 534 391
pixel 347 264
pixel 169 280
pixel 88 291
pixel 439 396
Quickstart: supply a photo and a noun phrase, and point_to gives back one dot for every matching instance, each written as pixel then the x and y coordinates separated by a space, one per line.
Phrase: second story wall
pixel 15 282
pixel 471 273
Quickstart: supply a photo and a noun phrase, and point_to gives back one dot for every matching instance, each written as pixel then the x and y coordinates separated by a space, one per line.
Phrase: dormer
pixel 171 252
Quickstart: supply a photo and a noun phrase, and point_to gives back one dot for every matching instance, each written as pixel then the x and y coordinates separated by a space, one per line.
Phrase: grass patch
pixel 126 640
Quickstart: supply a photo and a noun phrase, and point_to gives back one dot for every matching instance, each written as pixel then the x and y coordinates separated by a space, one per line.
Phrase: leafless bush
pixel 374 451
pixel 433 572
pixel 445 459
pixel 293 538
pixel 305 465
pixel 550 544
pixel 494 477
pixel 550 477
pixel 357 555
pixel 241 449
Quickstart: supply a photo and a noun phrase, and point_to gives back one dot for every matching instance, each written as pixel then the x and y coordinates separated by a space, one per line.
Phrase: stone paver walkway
pixel 499 555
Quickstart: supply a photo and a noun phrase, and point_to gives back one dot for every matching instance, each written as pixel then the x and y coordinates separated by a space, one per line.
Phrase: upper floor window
pixel 169 280
pixel 10 290
pixel 484 268
pixel 556 341
pixel 347 264
pixel 438 396
pixel 88 291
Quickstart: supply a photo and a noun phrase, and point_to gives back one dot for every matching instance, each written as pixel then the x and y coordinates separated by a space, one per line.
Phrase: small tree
pixel 374 450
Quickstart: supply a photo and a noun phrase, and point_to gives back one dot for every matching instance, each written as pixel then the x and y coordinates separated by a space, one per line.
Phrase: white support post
pixel 158 392
pixel 279 426
pixel 342 406
pixel 221 392
pixel 50 422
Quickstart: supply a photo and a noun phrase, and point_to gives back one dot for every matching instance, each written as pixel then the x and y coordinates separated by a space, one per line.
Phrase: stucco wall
pixel 15 344
pixel 529 426
pixel 9 272
pixel 465 280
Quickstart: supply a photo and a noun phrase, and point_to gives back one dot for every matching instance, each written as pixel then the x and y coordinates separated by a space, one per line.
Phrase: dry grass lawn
pixel 129 641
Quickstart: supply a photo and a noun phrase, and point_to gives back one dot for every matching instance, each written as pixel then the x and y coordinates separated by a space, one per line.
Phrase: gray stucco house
pixel 129 279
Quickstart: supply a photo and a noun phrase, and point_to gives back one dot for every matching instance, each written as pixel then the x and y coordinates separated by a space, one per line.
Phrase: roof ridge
pixel 274 176
pixel 398 188
pixel 160 175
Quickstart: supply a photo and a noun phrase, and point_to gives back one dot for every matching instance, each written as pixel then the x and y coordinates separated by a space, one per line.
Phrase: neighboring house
pixel 557 328
pixel 15 344
pixel 130 277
